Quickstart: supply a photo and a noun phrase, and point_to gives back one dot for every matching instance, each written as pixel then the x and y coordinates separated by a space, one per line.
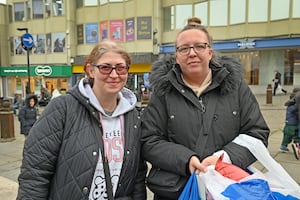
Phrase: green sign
pixel 39 70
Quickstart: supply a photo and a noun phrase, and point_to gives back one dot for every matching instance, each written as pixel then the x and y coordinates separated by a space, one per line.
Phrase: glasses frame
pixel 112 67
pixel 192 47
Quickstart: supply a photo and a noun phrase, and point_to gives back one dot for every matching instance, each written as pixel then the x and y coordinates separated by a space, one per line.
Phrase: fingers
pixel 195 165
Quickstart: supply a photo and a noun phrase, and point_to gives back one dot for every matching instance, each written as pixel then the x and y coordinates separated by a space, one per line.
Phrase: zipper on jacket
pixel 202 104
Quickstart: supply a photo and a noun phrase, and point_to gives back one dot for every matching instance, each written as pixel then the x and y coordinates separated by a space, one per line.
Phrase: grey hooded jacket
pixel 178 124
pixel 61 153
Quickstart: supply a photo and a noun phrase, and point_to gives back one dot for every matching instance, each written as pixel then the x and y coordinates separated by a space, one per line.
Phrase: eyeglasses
pixel 198 48
pixel 106 69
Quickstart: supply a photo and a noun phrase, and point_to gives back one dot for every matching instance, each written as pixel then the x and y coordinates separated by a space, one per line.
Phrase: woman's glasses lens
pixel 107 69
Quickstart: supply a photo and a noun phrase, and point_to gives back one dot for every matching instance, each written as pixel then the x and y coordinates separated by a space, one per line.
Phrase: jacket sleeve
pixel 140 192
pixel 252 123
pixel 40 153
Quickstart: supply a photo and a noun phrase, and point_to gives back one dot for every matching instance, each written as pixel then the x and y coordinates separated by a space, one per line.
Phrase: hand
pixel 210 160
pixel 196 165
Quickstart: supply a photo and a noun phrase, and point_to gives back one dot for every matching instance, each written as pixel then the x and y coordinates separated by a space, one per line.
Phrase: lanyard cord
pixel 104 151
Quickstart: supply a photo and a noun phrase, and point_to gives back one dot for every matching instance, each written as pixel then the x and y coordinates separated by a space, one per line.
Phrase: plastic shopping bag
pixel 190 191
pixel 278 179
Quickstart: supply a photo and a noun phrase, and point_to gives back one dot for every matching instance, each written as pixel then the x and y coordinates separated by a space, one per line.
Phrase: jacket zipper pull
pixel 202 104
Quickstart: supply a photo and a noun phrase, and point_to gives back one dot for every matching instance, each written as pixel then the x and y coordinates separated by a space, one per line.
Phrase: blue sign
pixel 27 41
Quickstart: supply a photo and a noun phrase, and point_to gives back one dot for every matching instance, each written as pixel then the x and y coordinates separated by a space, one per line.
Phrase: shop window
pixel 58 7
pixel 37 9
pixel 19 11
pixel 292 58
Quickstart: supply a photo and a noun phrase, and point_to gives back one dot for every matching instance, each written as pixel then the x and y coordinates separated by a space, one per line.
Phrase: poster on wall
pixel 48 43
pixel 130 29
pixel 91 33
pixel 116 30
pixel 103 30
pixel 59 42
pixel 11 46
pixel 39 44
pixel 80 34
pixel 18 46
pixel 144 28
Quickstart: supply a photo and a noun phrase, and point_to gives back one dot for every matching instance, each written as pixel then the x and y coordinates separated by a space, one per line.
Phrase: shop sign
pixel 43 70
pixel 246 44
pixel 40 70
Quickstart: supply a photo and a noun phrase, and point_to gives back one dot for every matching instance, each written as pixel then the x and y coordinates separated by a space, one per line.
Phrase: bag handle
pixel 259 150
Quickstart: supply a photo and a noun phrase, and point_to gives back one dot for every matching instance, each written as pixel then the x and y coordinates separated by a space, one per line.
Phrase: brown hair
pixel 195 23
pixel 102 48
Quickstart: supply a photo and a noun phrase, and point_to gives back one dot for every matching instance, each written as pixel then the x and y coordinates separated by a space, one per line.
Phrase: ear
pixel 90 70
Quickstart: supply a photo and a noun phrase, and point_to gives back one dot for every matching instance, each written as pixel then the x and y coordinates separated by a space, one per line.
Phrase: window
pixel 279 9
pixel 10 14
pixel 28 10
pixel 200 11
pixel 79 3
pixel 58 7
pixel 47 8
pixel 91 2
pixel 169 18
pixel 218 13
pixel 19 11
pixel 258 11
pixel 237 11
pixel 37 9
pixel 296 10
pixel 103 2
pixel 183 12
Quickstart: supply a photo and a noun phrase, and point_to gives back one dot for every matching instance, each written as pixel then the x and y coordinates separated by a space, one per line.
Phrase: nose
pixel 192 52
pixel 113 73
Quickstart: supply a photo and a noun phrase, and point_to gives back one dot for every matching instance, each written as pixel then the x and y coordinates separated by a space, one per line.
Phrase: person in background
pixel 86 143
pixel 45 97
pixel 199 104
pixel 28 114
pixel 296 146
pixel 18 103
pixel 290 130
pixel 277 83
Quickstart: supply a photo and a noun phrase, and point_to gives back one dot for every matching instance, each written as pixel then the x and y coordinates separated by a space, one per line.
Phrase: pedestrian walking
pixel 28 114
pixel 277 83
pixel 296 146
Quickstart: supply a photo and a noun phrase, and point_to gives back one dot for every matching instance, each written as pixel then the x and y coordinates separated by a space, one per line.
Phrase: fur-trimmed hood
pixel 226 72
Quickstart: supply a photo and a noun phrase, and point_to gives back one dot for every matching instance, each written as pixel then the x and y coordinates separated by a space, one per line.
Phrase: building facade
pixel 263 34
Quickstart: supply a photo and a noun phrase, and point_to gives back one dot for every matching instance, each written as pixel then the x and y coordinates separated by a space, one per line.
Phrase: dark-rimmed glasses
pixel 198 48
pixel 106 69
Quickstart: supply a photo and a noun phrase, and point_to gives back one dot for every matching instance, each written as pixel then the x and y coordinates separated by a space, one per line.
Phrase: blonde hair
pixel 102 48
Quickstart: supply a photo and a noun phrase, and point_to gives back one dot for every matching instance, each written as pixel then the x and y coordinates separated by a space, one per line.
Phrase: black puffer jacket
pixel 28 114
pixel 178 124
pixel 61 153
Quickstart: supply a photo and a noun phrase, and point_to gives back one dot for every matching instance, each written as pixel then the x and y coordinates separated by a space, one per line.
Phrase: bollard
pixel 269 94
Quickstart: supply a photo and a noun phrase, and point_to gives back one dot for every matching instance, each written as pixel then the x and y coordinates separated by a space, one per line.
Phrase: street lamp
pixel 27 44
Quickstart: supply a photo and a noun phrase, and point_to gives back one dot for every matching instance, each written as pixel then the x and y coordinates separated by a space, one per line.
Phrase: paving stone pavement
pixel 274 113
